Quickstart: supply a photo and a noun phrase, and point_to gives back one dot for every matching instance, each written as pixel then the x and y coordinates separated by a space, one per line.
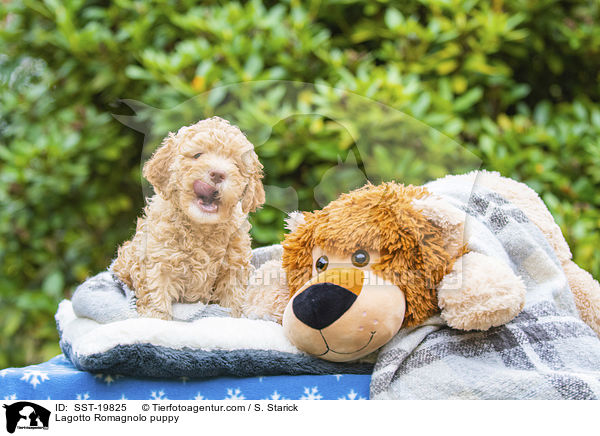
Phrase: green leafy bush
pixel 517 83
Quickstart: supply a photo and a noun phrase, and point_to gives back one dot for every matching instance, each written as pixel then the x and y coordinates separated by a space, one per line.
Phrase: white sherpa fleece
pixel 219 333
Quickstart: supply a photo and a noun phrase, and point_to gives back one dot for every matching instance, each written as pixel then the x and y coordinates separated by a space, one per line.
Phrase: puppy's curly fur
pixel 192 244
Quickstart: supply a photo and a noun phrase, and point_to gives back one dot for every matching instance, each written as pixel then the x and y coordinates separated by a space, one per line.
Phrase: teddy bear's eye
pixel 360 258
pixel 197 155
pixel 321 263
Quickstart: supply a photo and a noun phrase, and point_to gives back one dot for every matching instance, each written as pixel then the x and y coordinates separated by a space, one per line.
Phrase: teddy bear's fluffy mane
pixel 381 218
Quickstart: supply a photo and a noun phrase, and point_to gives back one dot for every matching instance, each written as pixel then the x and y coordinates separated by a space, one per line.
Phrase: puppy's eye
pixel 360 258
pixel 197 155
pixel 321 263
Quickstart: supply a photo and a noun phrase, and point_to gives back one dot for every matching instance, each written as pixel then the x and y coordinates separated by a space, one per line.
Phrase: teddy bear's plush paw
pixel 267 293
pixel 480 292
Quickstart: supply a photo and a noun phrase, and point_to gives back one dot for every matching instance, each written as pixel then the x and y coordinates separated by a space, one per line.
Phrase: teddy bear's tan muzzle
pixel 349 278
pixel 326 298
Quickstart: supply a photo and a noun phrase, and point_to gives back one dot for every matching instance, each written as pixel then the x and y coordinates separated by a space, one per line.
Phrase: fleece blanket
pixel 101 332
pixel 546 352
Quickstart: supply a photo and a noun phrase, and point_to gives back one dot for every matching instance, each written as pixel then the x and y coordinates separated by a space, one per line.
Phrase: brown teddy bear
pixel 473 248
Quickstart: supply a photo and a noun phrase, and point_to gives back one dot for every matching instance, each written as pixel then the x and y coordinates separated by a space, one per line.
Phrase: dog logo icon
pixel 26 415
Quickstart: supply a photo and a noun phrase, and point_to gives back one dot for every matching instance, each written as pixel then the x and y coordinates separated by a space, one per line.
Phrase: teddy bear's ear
pixel 294 219
pixel 297 249
pixel 444 215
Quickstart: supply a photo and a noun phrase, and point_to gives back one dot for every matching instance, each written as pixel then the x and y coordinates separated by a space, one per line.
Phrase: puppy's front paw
pixel 480 292
pixel 152 312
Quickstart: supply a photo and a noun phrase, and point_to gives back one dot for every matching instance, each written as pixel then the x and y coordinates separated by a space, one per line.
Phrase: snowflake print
pixel 337 376
pixel 276 396
pixel 35 377
pixel 82 397
pixel 352 396
pixel 10 397
pixel 311 394
pixel 199 397
pixel 234 395
pixel 158 396
pixel 108 378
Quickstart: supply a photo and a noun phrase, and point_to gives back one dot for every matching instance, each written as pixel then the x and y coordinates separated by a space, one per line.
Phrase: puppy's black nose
pixel 217 176
pixel 322 304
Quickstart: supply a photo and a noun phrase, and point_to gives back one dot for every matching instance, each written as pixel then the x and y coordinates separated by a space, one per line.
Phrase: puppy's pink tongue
pixel 207 195
pixel 204 190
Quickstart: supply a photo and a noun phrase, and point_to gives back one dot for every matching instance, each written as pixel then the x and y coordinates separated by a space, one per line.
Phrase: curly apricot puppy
pixel 192 244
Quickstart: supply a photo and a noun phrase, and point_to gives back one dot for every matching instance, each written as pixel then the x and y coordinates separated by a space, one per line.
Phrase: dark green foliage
pixel 516 82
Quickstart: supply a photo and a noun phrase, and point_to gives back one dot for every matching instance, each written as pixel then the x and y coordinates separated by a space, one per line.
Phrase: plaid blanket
pixel 546 352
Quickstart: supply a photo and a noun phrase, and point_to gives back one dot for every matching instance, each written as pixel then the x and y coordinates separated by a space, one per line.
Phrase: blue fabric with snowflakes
pixel 58 379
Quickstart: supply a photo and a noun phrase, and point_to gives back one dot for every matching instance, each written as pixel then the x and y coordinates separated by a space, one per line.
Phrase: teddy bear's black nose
pixel 322 304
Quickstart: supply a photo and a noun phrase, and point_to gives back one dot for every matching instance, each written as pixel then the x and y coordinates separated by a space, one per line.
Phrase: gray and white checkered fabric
pixel 546 352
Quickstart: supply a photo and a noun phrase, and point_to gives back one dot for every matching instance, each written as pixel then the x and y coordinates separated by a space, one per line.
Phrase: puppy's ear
pixel 448 218
pixel 156 169
pixel 254 194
